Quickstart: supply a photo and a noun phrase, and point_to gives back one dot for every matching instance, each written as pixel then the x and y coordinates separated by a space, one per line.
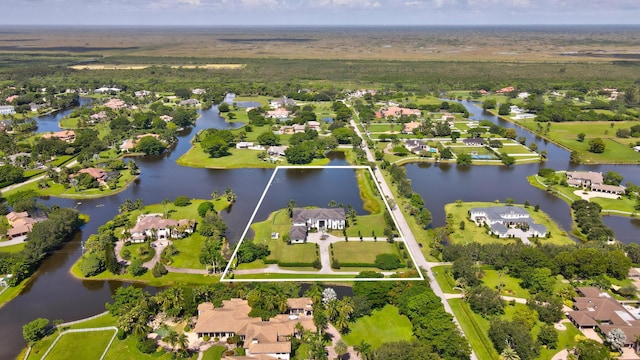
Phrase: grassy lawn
pixel 269 276
pixel 617 150
pixel 142 251
pixel 147 278
pixel 58 190
pixel 189 251
pixel 181 212
pixel 278 221
pixel 383 325
pixel 511 286
pixel 516 149
pixel 363 252
pixel 472 149
pixel 13 248
pixel 214 353
pixel 366 224
pixel 12 292
pixel 371 200
pixel 85 345
pixel 238 158
pixel 474 233
pixel 475 329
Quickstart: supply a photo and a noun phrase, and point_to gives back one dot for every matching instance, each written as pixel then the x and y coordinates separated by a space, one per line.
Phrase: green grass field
pixel 189 252
pixel 143 251
pixel 13 248
pixel 617 150
pixel 516 149
pixel 363 252
pixel 383 325
pixel 474 233
pixel 510 285
pixel 84 345
pixel 214 353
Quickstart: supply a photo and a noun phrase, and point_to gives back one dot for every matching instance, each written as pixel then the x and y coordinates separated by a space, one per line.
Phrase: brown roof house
pixel 593 181
pixel 595 309
pixel 64 135
pixel 21 224
pixel 98 174
pixel 156 227
pixel 262 339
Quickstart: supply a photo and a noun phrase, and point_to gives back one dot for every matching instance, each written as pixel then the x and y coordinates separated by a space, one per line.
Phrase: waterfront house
pixel 154 226
pixel 500 219
pixel 101 116
pixel 64 135
pixel 593 181
pixel 277 150
pixel 98 174
pixel 320 218
pixel 416 146
pixel 190 102
pixel 261 339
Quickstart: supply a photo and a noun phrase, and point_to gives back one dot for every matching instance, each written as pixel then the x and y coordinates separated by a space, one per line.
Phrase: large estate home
pixel 156 227
pixel 99 174
pixel 595 309
pixel 281 102
pixel 418 146
pixel 501 219
pixel 395 111
pixel 64 135
pixel 320 219
pixel 593 181
pixel 262 339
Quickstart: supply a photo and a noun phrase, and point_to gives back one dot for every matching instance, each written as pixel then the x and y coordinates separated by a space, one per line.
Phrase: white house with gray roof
pixel 500 219
pixel 319 218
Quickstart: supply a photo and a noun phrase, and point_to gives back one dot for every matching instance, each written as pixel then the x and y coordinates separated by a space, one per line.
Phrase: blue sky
pixel 319 12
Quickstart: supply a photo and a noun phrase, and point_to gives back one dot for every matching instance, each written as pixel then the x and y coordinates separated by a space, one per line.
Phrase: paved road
pixel 410 240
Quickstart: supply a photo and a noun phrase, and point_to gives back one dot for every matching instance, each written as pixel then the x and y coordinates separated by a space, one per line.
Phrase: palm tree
pixel 183 342
pixel 509 354
pixel 215 195
pixel 636 342
pixel 363 349
pixel 341 349
pixel 171 339
pixel 290 205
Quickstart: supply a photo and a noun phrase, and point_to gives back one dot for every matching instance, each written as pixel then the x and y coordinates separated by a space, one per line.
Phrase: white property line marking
pixel 337 277
pixel 115 332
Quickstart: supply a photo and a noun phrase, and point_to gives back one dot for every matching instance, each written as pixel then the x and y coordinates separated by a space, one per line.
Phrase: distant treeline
pixel 423 76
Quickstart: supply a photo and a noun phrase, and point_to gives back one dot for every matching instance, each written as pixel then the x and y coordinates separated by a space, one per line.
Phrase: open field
pixel 570 44
pixel 140 67
pixel 474 233
pixel 384 325
pixel 617 150
pixel 364 252
pixel 83 345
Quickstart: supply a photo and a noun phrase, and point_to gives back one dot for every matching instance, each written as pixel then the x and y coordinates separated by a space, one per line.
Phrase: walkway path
pixel 335 337
pixel 411 242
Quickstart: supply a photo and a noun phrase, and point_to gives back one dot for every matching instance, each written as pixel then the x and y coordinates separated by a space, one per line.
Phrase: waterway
pixel 53 293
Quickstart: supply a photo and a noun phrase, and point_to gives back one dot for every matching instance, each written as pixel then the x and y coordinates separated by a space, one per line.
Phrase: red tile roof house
pixel 156 227
pixel 262 339
pixel 597 310
pixel 65 135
